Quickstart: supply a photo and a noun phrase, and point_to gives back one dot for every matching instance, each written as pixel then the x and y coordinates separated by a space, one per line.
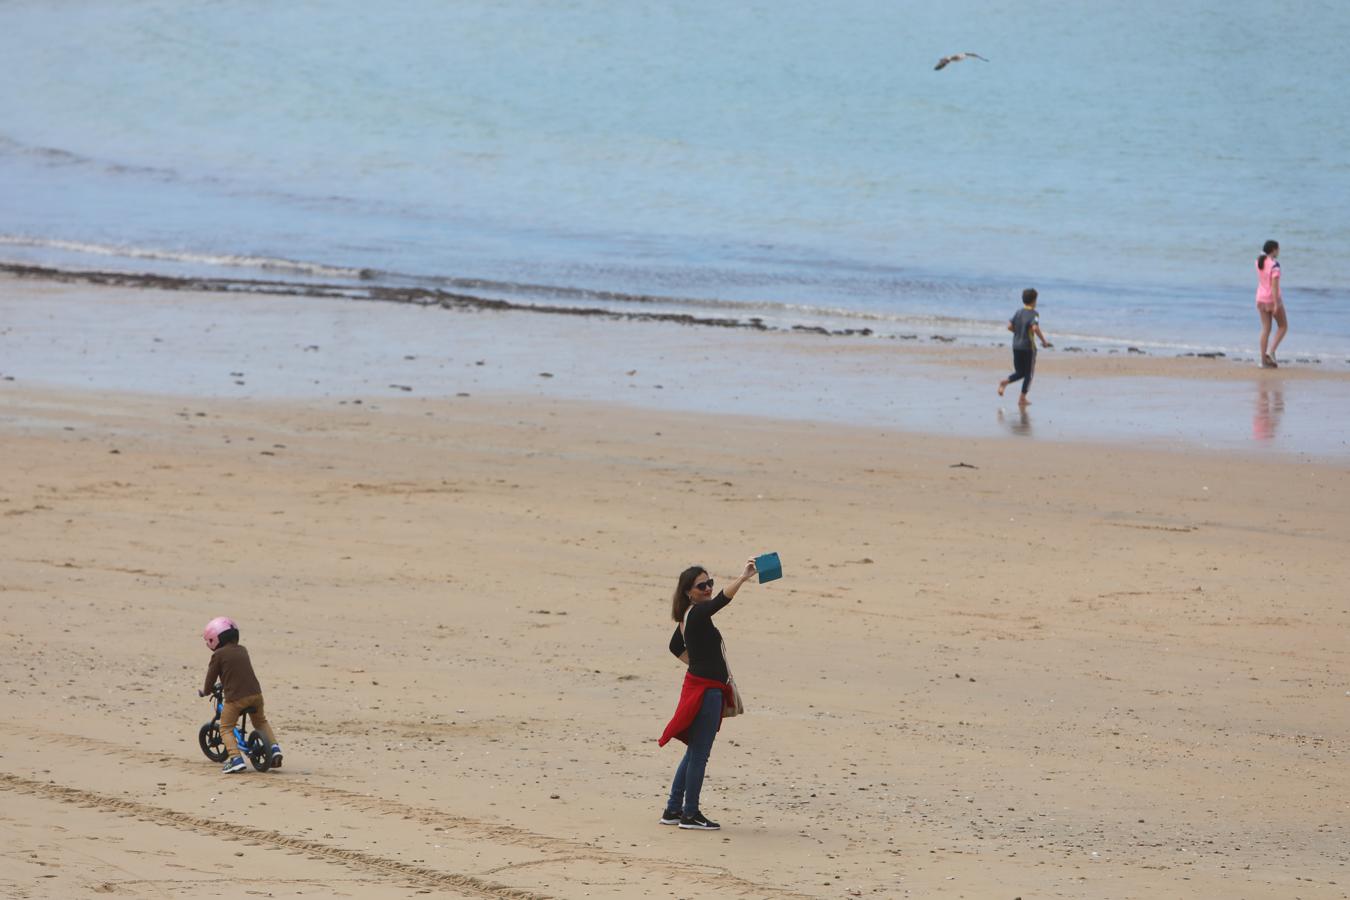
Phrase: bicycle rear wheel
pixel 257 752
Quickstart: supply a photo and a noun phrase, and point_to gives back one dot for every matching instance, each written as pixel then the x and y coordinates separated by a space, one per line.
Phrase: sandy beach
pixel 1081 654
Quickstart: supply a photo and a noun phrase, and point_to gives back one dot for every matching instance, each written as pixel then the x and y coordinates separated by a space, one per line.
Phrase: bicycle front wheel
pixel 208 737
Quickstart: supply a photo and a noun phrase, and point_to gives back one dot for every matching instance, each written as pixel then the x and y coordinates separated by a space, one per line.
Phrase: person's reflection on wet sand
pixel 1018 423
pixel 1269 409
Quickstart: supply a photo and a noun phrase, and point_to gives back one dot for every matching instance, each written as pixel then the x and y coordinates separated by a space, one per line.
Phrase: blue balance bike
pixel 208 736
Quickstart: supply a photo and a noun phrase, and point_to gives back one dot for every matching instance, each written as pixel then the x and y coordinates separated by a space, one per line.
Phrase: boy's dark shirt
pixel 230 664
pixel 1021 323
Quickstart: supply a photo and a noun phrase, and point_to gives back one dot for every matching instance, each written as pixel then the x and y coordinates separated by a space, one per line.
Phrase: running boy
pixel 231 666
pixel 1024 323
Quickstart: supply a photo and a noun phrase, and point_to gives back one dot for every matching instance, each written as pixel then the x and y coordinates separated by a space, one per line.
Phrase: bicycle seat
pixel 249 709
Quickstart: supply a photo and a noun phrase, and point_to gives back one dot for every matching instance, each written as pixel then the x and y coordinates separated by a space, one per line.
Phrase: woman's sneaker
pixel 671 817
pixel 274 762
pixel 235 765
pixel 699 822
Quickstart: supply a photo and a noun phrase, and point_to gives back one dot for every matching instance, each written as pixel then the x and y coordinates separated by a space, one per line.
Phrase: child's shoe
pixel 235 765
pixel 275 760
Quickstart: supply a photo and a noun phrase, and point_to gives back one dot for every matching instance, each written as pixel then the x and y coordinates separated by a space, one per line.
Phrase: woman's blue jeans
pixel 688 782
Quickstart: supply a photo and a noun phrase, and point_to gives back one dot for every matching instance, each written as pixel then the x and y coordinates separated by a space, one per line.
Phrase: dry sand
pixel 1073 670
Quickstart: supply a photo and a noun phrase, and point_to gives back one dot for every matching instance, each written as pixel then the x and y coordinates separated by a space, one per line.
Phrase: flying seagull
pixel 957 57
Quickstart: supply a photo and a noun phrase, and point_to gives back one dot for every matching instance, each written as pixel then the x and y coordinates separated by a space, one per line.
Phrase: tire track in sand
pixel 566 849
pixel 463 884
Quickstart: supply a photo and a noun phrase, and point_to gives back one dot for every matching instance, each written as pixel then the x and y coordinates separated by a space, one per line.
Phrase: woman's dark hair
pixel 680 603
pixel 1266 249
pixel 228 636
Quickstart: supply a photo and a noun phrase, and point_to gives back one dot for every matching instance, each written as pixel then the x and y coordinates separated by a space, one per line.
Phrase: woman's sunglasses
pixel 705 585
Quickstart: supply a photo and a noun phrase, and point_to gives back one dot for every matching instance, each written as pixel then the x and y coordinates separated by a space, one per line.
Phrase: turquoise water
pixel 798 162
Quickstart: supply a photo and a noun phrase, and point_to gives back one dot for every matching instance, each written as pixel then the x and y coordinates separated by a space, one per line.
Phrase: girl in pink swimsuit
pixel 1270 302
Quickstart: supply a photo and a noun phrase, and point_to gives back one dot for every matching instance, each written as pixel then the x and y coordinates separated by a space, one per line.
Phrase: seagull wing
pixel 942 63
pixel 975 56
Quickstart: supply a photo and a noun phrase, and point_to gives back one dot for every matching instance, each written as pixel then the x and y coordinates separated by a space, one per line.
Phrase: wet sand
pixel 1077 668
pixel 246 345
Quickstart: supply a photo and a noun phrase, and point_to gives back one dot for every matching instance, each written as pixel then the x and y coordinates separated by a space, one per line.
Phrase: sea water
pixel 802 163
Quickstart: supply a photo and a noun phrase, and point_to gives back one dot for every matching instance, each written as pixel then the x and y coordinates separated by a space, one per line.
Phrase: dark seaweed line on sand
pixel 410 295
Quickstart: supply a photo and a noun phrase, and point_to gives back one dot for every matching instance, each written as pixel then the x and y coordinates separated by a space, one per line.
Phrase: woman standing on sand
pixel 1269 301
pixel 708 693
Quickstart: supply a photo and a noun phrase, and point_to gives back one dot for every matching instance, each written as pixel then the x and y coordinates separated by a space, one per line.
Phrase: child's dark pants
pixel 1024 361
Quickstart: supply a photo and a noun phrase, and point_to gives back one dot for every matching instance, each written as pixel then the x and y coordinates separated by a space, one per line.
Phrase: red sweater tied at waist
pixel 691 700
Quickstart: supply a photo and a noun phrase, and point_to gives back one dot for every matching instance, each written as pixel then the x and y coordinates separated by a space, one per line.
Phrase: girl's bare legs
pixel 1281 320
pixel 1265 332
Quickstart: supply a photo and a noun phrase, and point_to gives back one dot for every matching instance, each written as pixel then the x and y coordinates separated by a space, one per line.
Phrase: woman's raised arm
pixel 731 589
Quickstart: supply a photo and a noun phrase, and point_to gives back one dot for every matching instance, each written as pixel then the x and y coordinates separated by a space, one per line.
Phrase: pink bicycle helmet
pixel 215 628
